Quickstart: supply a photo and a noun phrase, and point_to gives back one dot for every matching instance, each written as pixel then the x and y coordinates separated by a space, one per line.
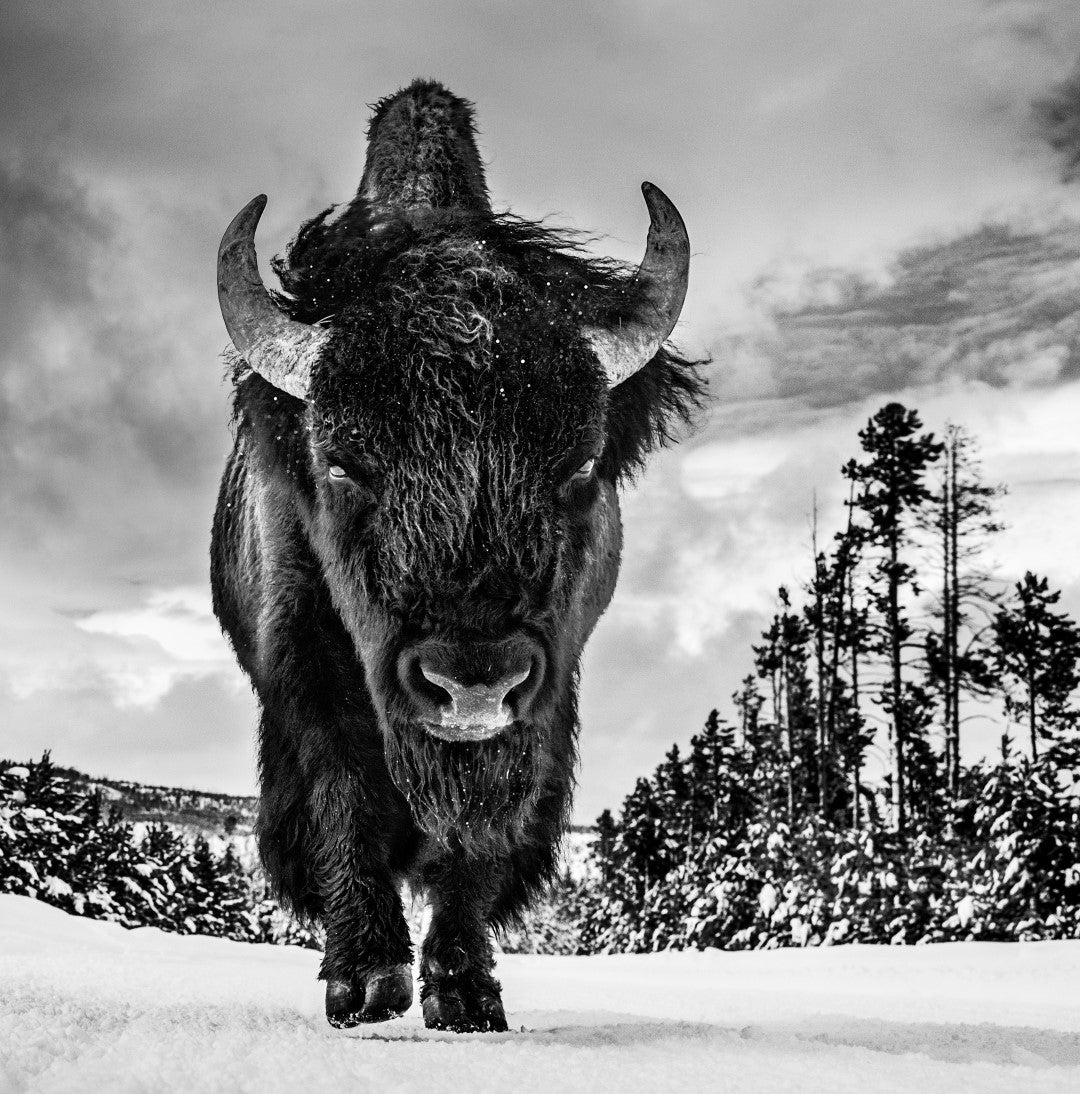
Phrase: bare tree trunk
pixel 844 577
pixel 1032 719
pixel 947 609
pixel 897 687
pixel 778 680
pixel 823 742
pixel 789 740
pixel 856 753
pixel 952 682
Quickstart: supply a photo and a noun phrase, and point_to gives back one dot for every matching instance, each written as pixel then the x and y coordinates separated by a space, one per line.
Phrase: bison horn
pixel 660 288
pixel 278 348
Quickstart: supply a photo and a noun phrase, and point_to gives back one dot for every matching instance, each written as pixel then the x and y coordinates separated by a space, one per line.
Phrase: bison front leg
pixel 367 962
pixel 458 989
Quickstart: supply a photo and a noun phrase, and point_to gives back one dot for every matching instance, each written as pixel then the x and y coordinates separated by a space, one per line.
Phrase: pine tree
pixel 720 782
pixel 165 851
pixel 640 856
pixel 839 633
pixel 748 701
pixel 604 843
pixel 673 809
pixel 701 778
pixel 783 659
pixel 41 828
pixel 961 515
pixel 1036 652
pixel 819 614
pixel 203 891
pixel 891 492
pixel 851 626
pixel 1021 880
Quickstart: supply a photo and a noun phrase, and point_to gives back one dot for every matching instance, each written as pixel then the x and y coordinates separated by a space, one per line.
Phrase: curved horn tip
pixel 651 191
pixel 663 214
pixel 251 214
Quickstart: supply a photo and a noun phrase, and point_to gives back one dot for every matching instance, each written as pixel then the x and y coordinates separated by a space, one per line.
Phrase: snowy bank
pixel 86 1005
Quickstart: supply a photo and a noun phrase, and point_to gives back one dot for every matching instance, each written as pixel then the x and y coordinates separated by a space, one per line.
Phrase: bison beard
pixel 473 796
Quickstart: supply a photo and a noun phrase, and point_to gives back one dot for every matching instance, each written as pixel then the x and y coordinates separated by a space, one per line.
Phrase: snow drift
pixel 86 1005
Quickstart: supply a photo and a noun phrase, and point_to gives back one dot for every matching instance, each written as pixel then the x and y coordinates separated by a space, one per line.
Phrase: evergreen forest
pixel 60 841
pixel 836 804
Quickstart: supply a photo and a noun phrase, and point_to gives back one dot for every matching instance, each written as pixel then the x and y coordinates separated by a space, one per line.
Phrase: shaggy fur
pixel 473 796
pixel 458 394
pixel 552 286
pixel 422 151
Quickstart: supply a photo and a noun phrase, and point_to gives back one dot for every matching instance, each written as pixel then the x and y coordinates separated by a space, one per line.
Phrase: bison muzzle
pixel 417 530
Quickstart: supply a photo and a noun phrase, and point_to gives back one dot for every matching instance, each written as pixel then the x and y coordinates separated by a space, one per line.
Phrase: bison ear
pixel 422 153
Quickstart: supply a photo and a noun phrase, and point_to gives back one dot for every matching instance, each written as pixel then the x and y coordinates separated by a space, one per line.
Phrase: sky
pixel 883 204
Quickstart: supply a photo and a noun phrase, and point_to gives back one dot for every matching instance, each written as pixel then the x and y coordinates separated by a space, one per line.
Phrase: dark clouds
pixel 50 235
pixel 101 425
pixel 998 306
pixel 53 246
pixel 1058 118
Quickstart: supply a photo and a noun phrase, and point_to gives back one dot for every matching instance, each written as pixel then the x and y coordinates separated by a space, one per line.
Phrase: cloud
pixel 171 636
pixel 999 305
pixel 1058 119
pixel 104 442
pixel 744 505
pixel 201 734
pixel 636 702
pixel 178 620
pixel 51 233
pixel 107 454
pixel 136 654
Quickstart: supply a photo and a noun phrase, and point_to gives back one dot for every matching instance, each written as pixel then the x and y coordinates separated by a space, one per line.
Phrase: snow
pixel 86 1005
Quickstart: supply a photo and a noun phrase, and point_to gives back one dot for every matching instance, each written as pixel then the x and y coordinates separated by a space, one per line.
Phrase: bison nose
pixel 469 691
pixel 472 712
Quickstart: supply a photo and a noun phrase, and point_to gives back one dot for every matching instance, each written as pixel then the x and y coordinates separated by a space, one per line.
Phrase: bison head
pixel 451 398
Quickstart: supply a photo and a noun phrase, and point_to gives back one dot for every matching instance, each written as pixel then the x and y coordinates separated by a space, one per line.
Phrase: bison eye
pixel 336 474
pixel 584 472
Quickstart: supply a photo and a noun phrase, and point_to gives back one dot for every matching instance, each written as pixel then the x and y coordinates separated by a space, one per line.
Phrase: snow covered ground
pixel 88 1006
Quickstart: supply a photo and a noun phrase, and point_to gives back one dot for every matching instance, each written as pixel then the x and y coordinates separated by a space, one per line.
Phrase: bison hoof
pixel 380 995
pixel 463 1008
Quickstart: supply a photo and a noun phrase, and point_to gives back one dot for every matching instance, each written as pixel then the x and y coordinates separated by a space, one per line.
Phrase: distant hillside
pixel 194 812
pixel 203 813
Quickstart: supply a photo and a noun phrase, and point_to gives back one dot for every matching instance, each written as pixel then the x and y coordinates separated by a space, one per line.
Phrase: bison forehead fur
pixel 463 388
pixel 416 532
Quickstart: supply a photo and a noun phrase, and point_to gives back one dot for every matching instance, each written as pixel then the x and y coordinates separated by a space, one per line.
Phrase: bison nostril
pixel 512 683
pixel 425 684
pixel 522 689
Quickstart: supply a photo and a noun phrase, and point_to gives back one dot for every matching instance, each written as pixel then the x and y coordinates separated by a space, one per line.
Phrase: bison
pixel 417 531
